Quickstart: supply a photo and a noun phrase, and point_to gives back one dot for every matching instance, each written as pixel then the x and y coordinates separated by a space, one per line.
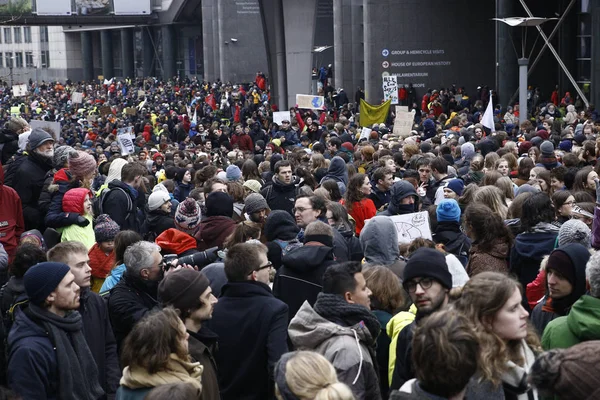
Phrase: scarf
pixel 336 309
pixel 77 371
pixel 176 370
pixel 100 262
pixel 544 227
pixel 514 380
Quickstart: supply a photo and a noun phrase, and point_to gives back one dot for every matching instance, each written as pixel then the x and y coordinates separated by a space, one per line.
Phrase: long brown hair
pixel 354 194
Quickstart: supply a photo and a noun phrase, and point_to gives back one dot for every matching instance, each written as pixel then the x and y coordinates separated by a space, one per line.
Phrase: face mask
pixel 406 208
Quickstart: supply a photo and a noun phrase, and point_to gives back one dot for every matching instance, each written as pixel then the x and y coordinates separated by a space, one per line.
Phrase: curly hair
pixel 485 227
pixel 354 194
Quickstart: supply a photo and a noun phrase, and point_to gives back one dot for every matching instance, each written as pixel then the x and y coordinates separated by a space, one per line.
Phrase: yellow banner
pixel 370 114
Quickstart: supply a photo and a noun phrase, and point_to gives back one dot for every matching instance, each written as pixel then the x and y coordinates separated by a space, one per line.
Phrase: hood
pixel 212 227
pixel 584 318
pixel 73 200
pixel 400 320
pixel 24 328
pixel 337 171
pixel 280 186
pixel 62 175
pixel 379 241
pixel 114 171
pixel 535 245
pixel 309 330
pixel 307 258
pixel 401 190
pixel 176 242
pixel 579 256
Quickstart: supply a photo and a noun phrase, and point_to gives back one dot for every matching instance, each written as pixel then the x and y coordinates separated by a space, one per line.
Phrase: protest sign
pixel 390 89
pixel 403 122
pixel 131 111
pixel 364 134
pixel 309 101
pixel 412 226
pixel 77 98
pixel 125 138
pixel 279 116
pixel 51 127
pixel 19 90
pixel 141 93
pixel 105 110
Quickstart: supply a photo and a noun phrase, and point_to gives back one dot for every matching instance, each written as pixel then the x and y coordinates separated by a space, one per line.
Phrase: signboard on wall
pixel 128 7
pixel 53 7
pixel 86 7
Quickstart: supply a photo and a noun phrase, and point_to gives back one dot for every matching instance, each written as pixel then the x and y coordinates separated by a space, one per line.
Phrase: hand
pixel 422 189
pixel 82 221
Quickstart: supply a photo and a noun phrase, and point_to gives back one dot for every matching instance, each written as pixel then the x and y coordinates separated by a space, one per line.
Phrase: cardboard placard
pixel 77 98
pixel 390 89
pixel 403 122
pixel 125 138
pixel 141 93
pixel 131 111
pixel 310 102
pixel 105 110
pixel 279 116
pixel 52 127
pixel 19 90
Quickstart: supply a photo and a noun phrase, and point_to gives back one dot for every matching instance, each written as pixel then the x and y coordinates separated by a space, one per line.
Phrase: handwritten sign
pixel 77 98
pixel 365 134
pixel 131 111
pixel 390 89
pixel 280 116
pixel 105 110
pixel 125 138
pixel 19 90
pixel 412 226
pixel 403 122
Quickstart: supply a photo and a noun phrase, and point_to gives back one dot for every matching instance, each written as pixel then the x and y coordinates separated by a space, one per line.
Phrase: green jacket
pixel 582 324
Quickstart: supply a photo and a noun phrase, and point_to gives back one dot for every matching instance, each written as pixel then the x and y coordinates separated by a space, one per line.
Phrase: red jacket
pixel 244 142
pixel 361 211
pixel 11 218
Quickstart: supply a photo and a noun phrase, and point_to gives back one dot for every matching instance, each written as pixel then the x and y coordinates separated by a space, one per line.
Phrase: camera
pixel 200 259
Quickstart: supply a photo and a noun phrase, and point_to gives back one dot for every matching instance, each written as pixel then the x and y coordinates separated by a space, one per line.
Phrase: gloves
pixel 82 221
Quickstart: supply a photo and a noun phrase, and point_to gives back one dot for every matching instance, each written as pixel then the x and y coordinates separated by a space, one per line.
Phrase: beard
pixel 45 154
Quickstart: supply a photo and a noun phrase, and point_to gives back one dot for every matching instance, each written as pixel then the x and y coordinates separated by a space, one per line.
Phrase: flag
pixel 370 115
pixel 236 115
pixel 488 116
pixel 210 100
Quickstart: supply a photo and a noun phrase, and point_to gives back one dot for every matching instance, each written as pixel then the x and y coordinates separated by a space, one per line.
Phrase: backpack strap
pixel 106 192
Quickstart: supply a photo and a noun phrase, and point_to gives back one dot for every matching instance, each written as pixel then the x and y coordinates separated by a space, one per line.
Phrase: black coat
pixel 101 340
pixel 252 328
pixel 158 221
pixel 10 144
pixel 124 208
pixel 202 347
pixel 129 301
pixel 454 240
pixel 300 278
pixel 280 196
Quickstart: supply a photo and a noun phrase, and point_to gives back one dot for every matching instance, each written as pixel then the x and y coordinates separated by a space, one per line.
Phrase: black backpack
pixel 11 168
pixel 98 201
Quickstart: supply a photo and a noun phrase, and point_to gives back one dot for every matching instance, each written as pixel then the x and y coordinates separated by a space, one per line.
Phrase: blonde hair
pixel 494 198
pixel 310 376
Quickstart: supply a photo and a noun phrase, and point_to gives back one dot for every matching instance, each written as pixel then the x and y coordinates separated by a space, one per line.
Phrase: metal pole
pixel 523 62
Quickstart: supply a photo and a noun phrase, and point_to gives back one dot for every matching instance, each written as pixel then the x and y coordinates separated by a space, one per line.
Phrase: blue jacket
pixel 56 218
pixel 290 137
pixel 114 278
pixel 527 253
pixel 32 364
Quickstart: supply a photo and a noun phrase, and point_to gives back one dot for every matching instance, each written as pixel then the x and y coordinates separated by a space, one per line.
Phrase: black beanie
pixel 426 262
pixel 219 204
pixel 280 225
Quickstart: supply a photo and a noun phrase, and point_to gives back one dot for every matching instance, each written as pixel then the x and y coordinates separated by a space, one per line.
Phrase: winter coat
pixel 113 278
pixel 528 251
pixel 32 364
pixel 56 217
pixel 300 278
pixel 383 352
pixel 99 336
pixel 348 348
pixel 129 301
pixel 202 346
pixel 379 198
pixel 10 292
pixel 379 240
pixel 291 138
pixel 83 234
pixel 28 185
pixel 213 231
pixel 494 260
pixel 362 211
pixel 355 251
pixel 158 221
pixel 124 207
pixel 280 196
pixel 248 310
pixel 596 229
pixel 244 142
pixel 182 191
pixel 12 224
pixel 454 240
pixel 338 172
pixel 403 369
pixel 9 142
pixel 393 328
pixel 582 324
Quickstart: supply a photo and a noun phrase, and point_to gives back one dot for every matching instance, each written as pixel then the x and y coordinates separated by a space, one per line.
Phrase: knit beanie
pixel 448 210
pixel 560 262
pixel 280 225
pixel 430 263
pixel 42 279
pixel 253 185
pixel 157 199
pixel 182 289
pixel 219 204
pixel 254 203
pixel 61 156
pixel 547 148
pixel 574 231
pixel 571 373
pixel 187 216
pixel 106 229
pixel 233 173
pixel 81 164
pixel 222 175
pixel 457 186
pixel 37 138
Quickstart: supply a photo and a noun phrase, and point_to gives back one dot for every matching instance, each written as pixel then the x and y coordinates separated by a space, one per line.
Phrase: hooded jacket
pixel 123 206
pixel 337 172
pixel 213 231
pixel 379 241
pixel 494 260
pixel 158 221
pixel 176 242
pixel 454 240
pixel 12 224
pixel 399 191
pixel 528 251
pixel 61 184
pixel 300 278
pixel 582 324
pixel 346 347
pixel 379 198
pixel 281 196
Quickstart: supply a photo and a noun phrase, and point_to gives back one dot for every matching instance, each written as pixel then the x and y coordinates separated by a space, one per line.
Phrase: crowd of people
pixel 223 256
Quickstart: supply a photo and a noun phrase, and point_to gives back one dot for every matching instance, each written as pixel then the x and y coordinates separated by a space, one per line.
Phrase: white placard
pixel 51 127
pixel 77 98
pixel 308 101
pixel 364 134
pixel 19 90
pixel 390 89
pixel 403 123
pixel 412 226
pixel 279 116
pixel 125 139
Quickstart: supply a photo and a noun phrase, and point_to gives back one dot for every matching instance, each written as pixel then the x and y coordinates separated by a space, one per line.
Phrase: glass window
pixel 8 57
pixel 27 34
pixel 1 60
pixel 29 59
pixel 7 36
pixel 45 59
pixel 19 59
pixel 584 69
pixel 43 34
pixel 17 30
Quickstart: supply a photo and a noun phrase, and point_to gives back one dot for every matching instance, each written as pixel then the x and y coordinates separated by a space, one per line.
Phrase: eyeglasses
pixel 411 286
pixel 267 265
pixel 300 209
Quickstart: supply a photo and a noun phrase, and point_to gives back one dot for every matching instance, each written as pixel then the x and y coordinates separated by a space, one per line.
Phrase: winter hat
pixel 253 185
pixel 255 202
pixel 547 148
pixel 188 215
pixel 456 185
pixel 448 210
pixel 524 147
pixel 42 279
pixel 348 146
pixel 467 150
pixel 560 262
pixel 61 156
pixel 157 199
pixel 233 173
pixel 106 229
pixel 574 231
pixel 571 373
pixel 182 289
pixel 38 137
pixel 219 204
pixel 526 188
pixel 156 155
pixel 222 175
pixel 425 147
pixel 430 263
pixel 543 134
pixel 81 164
pixel 580 138
pixel 536 141
pixel 280 225
pixel 566 145
pixel 35 237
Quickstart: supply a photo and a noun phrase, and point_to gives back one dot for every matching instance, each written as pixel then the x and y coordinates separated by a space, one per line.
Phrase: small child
pixel 102 255
pixel 79 201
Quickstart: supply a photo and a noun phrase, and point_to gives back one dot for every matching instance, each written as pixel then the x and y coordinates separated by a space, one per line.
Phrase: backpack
pixel 7 322
pixel 98 201
pixel 11 168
